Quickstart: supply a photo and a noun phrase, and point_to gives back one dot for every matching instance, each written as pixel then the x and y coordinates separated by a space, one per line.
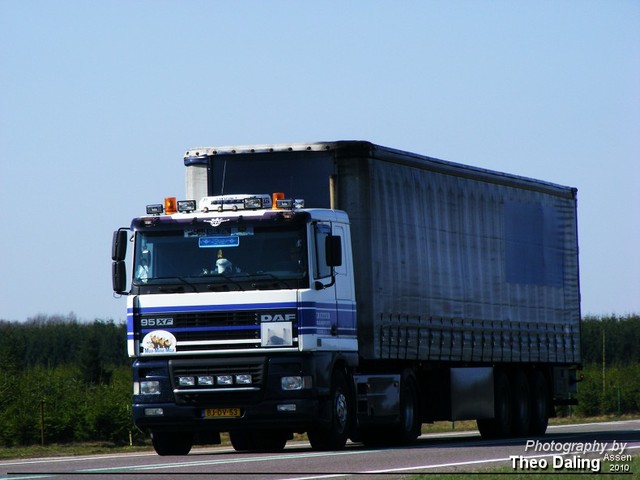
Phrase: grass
pixel 68 449
pixel 467 425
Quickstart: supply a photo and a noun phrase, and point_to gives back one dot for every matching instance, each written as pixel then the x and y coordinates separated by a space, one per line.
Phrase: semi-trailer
pixel 348 290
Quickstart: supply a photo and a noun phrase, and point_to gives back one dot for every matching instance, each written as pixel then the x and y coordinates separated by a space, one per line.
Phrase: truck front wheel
pixel 334 434
pixel 172 443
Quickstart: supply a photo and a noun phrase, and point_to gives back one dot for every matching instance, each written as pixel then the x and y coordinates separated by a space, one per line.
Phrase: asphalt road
pixel 564 448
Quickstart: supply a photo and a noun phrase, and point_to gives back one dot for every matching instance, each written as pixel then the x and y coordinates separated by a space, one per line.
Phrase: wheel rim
pixel 341 410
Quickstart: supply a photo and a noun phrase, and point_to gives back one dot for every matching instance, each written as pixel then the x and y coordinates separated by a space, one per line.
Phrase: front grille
pixel 233 325
pixel 210 331
pixel 226 318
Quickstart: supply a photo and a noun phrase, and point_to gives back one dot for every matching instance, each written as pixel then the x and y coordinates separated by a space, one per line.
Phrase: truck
pixel 348 291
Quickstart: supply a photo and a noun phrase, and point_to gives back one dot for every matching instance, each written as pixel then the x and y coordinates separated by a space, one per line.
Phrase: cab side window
pixel 321 232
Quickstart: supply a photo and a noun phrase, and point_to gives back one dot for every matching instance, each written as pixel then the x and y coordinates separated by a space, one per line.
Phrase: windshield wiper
pixel 269 276
pixel 167 289
pixel 229 279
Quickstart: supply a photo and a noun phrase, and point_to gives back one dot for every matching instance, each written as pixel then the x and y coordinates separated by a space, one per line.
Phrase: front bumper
pixel 293 414
pixel 265 404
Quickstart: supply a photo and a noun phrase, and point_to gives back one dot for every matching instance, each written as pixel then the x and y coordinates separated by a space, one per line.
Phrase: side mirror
pixel 333 257
pixel 333 249
pixel 119 276
pixel 119 245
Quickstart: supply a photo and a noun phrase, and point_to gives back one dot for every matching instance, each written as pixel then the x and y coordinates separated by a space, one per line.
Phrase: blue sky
pixel 99 101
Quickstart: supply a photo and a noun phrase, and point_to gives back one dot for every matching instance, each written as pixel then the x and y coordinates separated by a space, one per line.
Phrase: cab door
pixel 322 295
pixel 345 291
pixel 333 290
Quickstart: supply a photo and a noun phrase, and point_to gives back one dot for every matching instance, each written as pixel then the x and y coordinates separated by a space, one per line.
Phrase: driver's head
pixel 223 265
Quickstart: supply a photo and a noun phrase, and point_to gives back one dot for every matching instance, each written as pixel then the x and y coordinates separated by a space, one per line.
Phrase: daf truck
pixel 348 290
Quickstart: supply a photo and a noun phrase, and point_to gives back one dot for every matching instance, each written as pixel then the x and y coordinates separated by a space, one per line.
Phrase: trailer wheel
pixel 334 434
pixel 258 441
pixel 539 404
pixel 172 443
pixel 500 425
pixel 521 404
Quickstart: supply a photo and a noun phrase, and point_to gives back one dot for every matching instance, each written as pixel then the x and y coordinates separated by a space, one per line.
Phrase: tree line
pixel 611 366
pixel 95 348
pixel 614 339
pixel 63 380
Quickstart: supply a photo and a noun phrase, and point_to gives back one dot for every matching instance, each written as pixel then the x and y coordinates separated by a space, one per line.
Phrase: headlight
pixel 295 383
pixel 150 387
pixel 186 381
pixel 243 379
pixel 224 380
pixel 153 412
pixel 205 380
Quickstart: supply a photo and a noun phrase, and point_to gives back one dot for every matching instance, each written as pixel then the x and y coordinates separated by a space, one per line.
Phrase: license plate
pixel 221 412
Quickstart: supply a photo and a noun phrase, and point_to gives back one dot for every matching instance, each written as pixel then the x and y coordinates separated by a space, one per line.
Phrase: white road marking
pixel 224 461
pixel 274 457
pixel 462 464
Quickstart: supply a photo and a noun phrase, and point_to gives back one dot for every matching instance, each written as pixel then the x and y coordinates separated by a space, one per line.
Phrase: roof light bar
pixel 277 196
pixel 155 209
pixel 170 205
pixel 288 203
pixel 186 206
pixel 285 203
pixel 254 203
pixel 235 202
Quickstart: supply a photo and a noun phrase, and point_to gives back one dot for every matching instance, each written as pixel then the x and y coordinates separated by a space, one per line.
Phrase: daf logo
pixel 278 317
pixel 216 222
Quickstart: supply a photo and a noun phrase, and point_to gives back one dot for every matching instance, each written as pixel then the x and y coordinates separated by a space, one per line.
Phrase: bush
pixel 618 394
pixel 77 372
pixel 73 410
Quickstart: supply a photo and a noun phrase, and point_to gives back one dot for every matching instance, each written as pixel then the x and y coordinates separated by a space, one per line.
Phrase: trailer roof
pixel 361 148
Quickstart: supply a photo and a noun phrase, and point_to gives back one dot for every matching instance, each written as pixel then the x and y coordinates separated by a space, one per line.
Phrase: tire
pixel 500 425
pixel 410 421
pixel 333 435
pixel 521 394
pixel 258 440
pixel 172 443
pixel 408 427
pixel 540 402
pixel 240 440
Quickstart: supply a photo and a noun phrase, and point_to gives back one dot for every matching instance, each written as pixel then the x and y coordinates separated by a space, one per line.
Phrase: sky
pixel 100 100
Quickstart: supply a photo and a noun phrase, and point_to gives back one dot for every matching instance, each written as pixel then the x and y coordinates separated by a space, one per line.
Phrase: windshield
pixel 228 257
